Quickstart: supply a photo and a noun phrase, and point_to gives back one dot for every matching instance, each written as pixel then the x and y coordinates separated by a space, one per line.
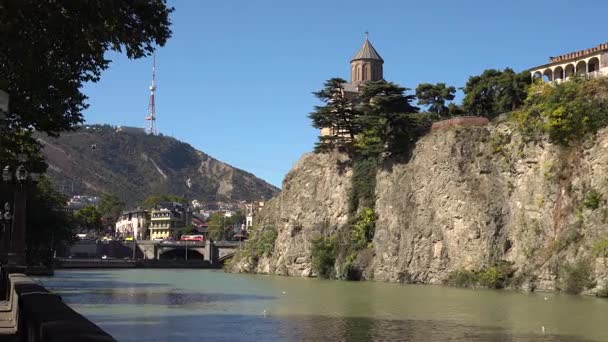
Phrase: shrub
pixel 362 230
pixel 600 249
pixel 260 243
pixel 363 192
pixel 576 277
pixel 592 199
pixel 497 276
pixel 603 292
pixel 462 278
pixel 265 240
pixel 566 112
pixel 324 252
pixel 567 237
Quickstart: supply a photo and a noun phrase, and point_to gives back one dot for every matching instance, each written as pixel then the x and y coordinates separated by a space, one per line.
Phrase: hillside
pixel 134 165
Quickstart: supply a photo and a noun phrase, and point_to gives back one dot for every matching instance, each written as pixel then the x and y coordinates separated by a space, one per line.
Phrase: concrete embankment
pixel 33 313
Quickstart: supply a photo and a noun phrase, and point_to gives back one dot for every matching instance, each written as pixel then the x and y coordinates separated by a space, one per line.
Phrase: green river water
pixel 210 305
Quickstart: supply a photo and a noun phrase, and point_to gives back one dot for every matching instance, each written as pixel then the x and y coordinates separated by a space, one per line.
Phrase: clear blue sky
pixel 235 81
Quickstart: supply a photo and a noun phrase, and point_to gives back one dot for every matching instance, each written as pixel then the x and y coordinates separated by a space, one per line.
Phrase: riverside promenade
pixel 31 313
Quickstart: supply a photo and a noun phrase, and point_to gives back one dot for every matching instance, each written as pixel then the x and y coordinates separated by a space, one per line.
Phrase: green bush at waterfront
pixel 497 276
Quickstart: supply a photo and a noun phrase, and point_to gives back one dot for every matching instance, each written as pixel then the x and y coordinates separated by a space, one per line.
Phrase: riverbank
pixel 65 263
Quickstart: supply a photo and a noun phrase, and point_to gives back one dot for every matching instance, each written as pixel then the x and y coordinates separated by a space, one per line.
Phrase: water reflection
pixel 194 305
pixel 134 296
pixel 308 328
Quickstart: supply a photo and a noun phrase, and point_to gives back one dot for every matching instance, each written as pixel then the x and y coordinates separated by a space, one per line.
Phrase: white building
pixel 251 210
pixel 591 62
pixel 133 223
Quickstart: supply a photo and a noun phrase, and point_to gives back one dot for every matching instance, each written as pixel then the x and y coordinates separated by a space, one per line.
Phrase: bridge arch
pixel 180 254
pixel 226 257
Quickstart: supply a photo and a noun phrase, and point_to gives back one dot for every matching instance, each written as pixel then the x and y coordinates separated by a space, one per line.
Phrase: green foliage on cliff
pixel 566 112
pixel 592 199
pixel 337 115
pixel 435 96
pixel 600 249
pixel 324 253
pixel 576 277
pixel 385 117
pixel 376 120
pixel 363 191
pixel 462 278
pixel 494 92
pixel 497 276
pixel 261 241
pixel 362 231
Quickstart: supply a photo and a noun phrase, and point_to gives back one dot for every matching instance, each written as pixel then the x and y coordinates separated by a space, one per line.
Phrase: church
pixel 366 65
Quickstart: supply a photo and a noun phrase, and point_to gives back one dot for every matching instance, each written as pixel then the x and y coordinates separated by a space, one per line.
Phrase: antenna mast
pixel 151 106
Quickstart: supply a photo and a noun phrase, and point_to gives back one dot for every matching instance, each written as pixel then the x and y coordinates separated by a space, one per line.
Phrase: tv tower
pixel 151 107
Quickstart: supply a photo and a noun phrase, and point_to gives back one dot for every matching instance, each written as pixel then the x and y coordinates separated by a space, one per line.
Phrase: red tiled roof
pixel 577 54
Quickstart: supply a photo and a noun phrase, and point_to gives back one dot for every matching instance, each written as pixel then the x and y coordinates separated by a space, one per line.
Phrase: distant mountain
pixel 133 165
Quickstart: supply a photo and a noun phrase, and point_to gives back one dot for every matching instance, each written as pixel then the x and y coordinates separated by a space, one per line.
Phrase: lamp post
pixel 13 237
pixel 6 218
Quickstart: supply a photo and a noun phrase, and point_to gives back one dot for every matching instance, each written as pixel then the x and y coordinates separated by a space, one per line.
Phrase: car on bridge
pixel 192 238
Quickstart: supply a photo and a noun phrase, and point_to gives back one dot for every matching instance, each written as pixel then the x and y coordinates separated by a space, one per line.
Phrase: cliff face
pixel 466 199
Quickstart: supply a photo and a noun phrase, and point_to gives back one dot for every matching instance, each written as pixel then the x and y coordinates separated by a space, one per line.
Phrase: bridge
pixel 214 251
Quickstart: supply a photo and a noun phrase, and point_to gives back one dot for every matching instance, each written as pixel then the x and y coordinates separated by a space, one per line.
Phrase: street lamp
pixel 5 217
pixel 13 239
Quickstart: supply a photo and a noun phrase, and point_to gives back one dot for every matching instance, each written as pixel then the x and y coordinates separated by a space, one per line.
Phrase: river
pixel 210 305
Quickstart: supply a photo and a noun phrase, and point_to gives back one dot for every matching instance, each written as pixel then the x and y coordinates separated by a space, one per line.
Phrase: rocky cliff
pixel 466 199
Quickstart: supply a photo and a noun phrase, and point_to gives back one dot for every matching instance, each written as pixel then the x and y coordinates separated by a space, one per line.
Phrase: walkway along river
pixel 210 305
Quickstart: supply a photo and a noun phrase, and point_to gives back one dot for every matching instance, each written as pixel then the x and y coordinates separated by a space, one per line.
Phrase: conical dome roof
pixel 367 51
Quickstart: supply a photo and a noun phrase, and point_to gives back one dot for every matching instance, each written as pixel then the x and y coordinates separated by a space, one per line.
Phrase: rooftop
pixel 367 51
pixel 578 54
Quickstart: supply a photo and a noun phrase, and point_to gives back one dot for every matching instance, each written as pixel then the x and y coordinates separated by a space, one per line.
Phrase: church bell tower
pixel 366 65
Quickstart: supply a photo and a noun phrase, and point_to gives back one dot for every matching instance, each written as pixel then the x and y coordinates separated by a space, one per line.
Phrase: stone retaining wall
pixel 461 121
pixel 33 313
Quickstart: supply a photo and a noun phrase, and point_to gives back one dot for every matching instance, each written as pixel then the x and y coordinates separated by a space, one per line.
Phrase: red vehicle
pixel 192 238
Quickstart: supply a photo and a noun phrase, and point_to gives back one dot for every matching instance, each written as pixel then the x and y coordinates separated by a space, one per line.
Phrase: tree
pixel 384 117
pixel 494 92
pixel 222 227
pixel 566 112
pixel 154 200
pixel 49 223
pixel 435 96
pixel 50 49
pixel 455 110
pixel 217 223
pixel 110 207
pixel 337 115
pixel 89 218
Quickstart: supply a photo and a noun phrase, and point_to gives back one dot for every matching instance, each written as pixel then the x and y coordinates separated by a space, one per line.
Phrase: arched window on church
pixel 365 72
pixel 359 73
